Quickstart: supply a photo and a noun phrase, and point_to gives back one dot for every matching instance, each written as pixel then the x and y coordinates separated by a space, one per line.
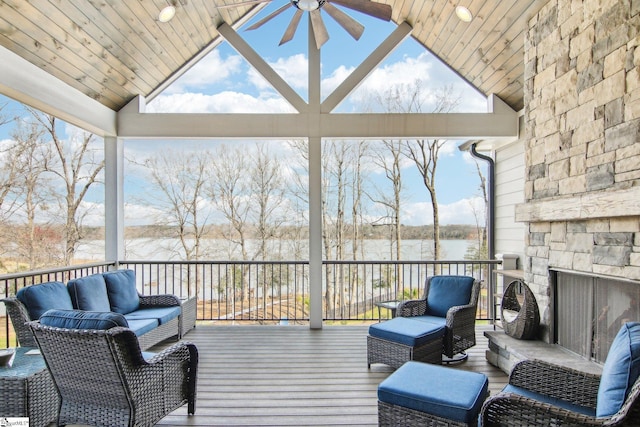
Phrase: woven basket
pixel 520 315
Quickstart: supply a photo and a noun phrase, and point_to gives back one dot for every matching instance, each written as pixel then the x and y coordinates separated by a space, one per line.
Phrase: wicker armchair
pixel 460 333
pixel 104 380
pixel 542 393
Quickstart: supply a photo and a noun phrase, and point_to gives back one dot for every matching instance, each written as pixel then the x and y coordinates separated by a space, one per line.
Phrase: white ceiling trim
pixel 31 85
pixel 499 122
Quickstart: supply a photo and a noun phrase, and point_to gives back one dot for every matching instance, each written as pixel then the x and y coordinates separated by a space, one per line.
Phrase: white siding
pixel 509 191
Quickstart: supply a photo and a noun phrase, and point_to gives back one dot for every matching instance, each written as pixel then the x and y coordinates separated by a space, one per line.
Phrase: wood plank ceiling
pixel 113 50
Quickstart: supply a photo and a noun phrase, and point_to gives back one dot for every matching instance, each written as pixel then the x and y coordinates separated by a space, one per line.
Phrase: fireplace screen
pixel 590 311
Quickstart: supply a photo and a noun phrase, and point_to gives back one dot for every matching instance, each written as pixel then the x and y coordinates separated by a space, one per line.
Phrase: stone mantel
pixel 605 204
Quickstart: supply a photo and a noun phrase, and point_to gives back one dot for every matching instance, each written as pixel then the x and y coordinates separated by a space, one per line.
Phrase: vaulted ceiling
pixel 114 50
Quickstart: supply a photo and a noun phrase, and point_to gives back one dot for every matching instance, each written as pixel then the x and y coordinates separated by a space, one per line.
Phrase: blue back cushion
pixel 446 292
pixel 620 370
pixel 77 319
pixel 89 293
pixel 121 288
pixel 45 296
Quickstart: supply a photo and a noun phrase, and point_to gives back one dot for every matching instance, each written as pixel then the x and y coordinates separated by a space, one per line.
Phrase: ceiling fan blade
pixel 377 10
pixel 242 3
pixel 319 30
pixel 269 17
pixel 291 29
pixel 352 26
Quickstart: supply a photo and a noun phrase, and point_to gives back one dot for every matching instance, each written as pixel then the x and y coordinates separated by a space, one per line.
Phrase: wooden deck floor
pixel 293 376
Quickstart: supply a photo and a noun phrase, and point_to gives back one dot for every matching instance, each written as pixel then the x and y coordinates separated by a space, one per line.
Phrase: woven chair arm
pixel 580 388
pixel 513 410
pixel 409 308
pixel 461 315
pixel 180 362
pixel 179 351
pixel 166 300
pixel 19 317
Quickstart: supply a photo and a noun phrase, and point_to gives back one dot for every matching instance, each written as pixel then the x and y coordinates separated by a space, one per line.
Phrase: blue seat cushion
pixel 444 392
pixel 142 326
pixel 89 293
pixel 78 319
pixel 620 370
pixel 406 331
pixel 162 314
pixel 39 298
pixel 584 410
pixel 434 320
pixel 446 292
pixel 122 292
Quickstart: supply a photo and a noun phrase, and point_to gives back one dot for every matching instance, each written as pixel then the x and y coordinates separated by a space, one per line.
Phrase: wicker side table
pixel 27 390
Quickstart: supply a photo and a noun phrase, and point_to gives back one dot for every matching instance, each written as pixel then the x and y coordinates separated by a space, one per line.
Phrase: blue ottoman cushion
pixel 405 331
pixel 444 392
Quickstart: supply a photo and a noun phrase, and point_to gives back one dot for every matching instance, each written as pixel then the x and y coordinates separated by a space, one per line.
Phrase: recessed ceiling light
pixel 167 14
pixel 463 14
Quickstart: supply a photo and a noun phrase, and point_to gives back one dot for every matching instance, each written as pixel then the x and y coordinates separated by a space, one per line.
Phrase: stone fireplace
pixel 582 157
pixel 590 309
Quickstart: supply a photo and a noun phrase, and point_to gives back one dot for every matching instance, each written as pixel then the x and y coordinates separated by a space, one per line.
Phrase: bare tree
pixel 267 188
pixel 77 163
pixel 230 191
pixel 389 159
pixel 425 152
pixel 180 178
pixel 35 241
pixel 481 251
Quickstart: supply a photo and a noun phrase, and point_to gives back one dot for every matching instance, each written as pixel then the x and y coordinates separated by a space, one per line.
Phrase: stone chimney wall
pixel 582 125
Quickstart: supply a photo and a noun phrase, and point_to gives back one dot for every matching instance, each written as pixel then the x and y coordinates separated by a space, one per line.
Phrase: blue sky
pixel 223 82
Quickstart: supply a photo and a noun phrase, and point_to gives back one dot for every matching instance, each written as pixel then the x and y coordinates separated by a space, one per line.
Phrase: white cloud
pixel 463 211
pixel 335 79
pixel 292 69
pixel 209 70
pixel 92 214
pixel 224 102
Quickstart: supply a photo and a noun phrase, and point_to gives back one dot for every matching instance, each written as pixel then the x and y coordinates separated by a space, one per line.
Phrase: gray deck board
pixel 293 376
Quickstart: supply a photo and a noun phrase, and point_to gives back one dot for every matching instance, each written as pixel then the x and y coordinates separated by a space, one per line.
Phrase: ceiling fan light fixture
pixel 464 14
pixel 167 13
pixel 308 5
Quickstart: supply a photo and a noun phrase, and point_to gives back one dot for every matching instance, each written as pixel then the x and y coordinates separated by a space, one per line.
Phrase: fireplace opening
pixel 589 311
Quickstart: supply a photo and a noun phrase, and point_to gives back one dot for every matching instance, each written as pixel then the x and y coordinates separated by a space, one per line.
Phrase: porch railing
pixel 275 291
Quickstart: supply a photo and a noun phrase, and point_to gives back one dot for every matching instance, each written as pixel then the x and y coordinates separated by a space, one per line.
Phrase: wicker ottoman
pixel 401 339
pixel 419 394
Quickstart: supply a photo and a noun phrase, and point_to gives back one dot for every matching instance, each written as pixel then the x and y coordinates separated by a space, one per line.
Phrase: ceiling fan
pixel 353 27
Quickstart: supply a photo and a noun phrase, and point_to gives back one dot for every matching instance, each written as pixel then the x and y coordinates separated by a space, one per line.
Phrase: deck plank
pixel 293 376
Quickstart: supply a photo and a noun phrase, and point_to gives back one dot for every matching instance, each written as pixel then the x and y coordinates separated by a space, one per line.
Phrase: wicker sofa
pixel 152 318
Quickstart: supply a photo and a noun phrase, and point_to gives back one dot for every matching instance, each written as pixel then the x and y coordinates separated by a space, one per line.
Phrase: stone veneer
pixel 582 126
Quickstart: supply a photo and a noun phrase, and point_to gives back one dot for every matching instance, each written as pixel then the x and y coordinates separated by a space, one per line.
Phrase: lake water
pixel 217 249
